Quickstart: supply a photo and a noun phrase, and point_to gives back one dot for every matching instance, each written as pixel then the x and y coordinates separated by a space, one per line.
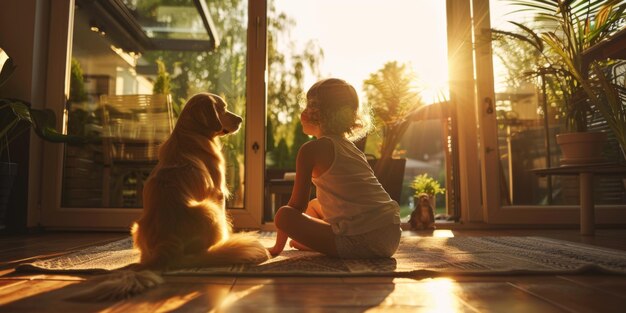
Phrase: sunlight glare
pixel 442 292
pixel 436 90
pixel 410 32
pixel 234 296
pixel 178 301
pixel 443 233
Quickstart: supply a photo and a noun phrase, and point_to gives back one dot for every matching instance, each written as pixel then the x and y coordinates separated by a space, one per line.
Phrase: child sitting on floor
pixel 352 216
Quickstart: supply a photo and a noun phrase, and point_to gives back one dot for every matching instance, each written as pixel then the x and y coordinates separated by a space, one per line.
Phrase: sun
pixel 436 89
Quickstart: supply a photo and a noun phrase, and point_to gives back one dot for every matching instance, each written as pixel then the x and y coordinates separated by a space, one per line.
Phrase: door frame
pixel 252 214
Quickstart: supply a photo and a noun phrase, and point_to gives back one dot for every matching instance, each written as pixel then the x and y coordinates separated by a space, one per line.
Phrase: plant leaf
pixel 6 71
pixel 21 111
pixel 544 6
pixel 603 15
pixel 44 122
pixel 533 34
pixel 518 37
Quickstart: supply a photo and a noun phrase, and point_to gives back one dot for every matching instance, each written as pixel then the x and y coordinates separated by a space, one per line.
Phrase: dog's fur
pixel 184 222
pixel 423 217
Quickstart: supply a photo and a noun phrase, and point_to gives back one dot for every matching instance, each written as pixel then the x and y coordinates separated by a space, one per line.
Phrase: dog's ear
pixel 212 119
pixel 199 115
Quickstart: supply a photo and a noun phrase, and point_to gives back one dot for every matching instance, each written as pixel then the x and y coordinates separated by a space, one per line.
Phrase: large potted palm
pixel 393 98
pixel 562 30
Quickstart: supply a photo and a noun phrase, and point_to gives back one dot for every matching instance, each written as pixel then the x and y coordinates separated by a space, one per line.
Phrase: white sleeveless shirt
pixel 353 201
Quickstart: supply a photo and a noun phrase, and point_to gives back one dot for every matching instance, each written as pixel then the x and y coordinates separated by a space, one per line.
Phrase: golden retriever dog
pixel 184 222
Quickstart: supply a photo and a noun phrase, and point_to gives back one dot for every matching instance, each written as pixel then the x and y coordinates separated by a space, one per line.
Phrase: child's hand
pixel 279 246
pixel 275 250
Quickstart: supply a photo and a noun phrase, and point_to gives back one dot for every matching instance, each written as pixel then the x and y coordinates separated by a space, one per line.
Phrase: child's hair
pixel 338 105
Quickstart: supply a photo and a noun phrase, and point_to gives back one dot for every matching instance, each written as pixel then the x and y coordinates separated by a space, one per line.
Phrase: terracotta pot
pixel 581 148
pixel 390 175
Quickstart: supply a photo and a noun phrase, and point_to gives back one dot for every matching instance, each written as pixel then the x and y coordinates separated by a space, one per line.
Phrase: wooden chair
pixel 133 128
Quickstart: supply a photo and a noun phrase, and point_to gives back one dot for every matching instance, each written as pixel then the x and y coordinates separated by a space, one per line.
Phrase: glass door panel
pixel 311 40
pixel 522 137
pixel 529 118
pixel 128 94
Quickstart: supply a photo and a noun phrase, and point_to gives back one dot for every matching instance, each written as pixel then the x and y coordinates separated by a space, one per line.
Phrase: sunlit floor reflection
pixel 442 291
pixel 425 295
pixel 443 233
pixel 235 296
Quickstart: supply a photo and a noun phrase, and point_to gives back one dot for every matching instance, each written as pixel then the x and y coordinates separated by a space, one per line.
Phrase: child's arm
pixel 314 158
pixel 299 196
pixel 307 162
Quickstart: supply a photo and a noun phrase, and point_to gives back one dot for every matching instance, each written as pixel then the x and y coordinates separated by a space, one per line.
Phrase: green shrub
pixel 426 184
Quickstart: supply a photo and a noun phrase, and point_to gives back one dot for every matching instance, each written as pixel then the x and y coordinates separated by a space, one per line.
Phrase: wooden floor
pixel 575 293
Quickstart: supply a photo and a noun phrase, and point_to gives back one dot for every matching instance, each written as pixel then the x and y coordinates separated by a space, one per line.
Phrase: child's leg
pixel 309 231
pixel 314 209
pixel 296 245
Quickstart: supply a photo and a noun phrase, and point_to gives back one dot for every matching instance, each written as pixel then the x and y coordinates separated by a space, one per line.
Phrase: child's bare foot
pixel 296 245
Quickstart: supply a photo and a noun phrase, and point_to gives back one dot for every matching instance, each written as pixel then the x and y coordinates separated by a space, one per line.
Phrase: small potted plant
pixel 428 185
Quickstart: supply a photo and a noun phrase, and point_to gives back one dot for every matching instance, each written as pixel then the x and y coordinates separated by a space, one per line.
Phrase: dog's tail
pixel 239 248
pixel 118 285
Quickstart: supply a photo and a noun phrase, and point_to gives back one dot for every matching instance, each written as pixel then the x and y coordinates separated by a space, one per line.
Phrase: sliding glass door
pixel 358 41
pixel 121 70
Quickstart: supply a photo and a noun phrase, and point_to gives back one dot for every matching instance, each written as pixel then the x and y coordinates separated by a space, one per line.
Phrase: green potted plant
pixel 16 118
pixel 562 31
pixel 392 97
pixel 428 185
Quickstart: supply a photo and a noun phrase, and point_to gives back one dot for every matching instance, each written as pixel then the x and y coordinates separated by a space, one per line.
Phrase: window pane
pixel 310 40
pixel 521 121
pixel 530 115
pixel 160 19
pixel 130 100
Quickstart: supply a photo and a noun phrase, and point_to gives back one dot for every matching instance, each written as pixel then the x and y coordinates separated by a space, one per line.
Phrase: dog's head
pixel 423 198
pixel 206 113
